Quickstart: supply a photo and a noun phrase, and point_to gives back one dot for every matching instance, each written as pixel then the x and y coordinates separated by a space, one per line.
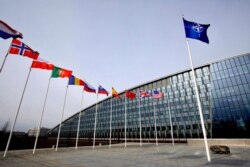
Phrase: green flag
pixel 60 72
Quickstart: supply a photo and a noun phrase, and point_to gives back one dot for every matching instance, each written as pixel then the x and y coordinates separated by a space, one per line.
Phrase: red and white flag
pixel 19 48
pixel 157 94
pixel 145 94
pixel 42 64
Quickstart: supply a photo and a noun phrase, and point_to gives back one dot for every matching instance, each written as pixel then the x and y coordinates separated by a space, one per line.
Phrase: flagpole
pixel 140 119
pixel 39 125
pixel 57 142
pixel 110 131
pixel 79 122
pixel 125 121
pixel 5 57
pixel 13 126
pixel 170 120
pixel 156 140
pixel 95 118
pixel 199 104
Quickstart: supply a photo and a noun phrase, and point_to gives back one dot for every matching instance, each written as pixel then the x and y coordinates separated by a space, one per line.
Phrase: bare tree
pixel 5 126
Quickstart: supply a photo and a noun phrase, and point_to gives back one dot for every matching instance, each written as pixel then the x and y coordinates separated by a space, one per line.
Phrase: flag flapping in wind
pixel 157 94
pixel 75 81
pixel 101 90
pixel 60 72
pixel 130 95
pixel 19 48
pixel 8 32
pixel 88 88
pixel 42 64
pixel 196 31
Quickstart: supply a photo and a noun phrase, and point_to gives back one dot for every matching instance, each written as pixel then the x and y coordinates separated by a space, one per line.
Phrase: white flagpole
pixel 156 140
pixel 170 120
pixel 5 57
pixel 199 104
pixel 140 119
pixel 39 125
pixel 125 121
pixel 79 122
pixel 95 118
pixel 57 142
pixel 110 131
pixel 13 126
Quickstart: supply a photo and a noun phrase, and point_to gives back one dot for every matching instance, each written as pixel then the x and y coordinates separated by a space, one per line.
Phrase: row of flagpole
pixel 193 30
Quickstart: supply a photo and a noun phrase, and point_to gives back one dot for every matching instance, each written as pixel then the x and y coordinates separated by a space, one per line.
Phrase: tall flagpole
pixel 79 122
pixel 125 121
pixel 58 136
pixel 199 104
pixel 140 119
pixel 170 120
pixel 95 118
pixel 156 140
pixel 13 126
pixel 39 125
pixel 110 131
pixel 5 57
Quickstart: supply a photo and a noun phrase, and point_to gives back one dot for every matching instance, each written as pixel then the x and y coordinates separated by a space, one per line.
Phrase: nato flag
pixel 196 31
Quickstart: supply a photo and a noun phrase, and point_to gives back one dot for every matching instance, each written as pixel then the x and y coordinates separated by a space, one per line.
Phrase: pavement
pixel 149 155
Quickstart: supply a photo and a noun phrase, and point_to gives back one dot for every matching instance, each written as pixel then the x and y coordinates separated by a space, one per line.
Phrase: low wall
pixel 227 142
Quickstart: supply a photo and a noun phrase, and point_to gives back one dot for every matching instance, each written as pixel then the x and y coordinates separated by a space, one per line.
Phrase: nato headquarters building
pixel 224 90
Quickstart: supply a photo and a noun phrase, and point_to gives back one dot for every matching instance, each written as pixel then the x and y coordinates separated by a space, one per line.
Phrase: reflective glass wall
pixel 230 97
pixel 224 89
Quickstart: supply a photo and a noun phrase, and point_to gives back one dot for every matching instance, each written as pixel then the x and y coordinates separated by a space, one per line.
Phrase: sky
pixel 119 43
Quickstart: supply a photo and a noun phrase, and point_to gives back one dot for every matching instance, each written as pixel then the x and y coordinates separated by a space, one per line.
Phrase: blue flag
pixel 196 31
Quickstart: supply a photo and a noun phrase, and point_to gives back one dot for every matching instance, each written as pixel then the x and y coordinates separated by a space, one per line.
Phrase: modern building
pixel 224 89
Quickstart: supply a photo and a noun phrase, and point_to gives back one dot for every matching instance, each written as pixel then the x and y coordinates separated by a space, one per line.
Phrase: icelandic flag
pixel 7 32
pixel 101 90
pixel 196 31
pixel 88 88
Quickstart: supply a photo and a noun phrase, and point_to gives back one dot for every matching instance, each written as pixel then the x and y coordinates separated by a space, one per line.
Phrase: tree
pixel 5 126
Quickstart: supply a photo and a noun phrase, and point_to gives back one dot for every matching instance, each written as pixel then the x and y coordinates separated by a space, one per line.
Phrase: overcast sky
pixel 120 43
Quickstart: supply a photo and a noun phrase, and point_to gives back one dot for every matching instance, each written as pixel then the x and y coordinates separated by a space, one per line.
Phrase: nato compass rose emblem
pixel 197 28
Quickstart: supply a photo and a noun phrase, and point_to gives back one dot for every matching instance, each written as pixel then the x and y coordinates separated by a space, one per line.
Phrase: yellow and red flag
pixel 114 93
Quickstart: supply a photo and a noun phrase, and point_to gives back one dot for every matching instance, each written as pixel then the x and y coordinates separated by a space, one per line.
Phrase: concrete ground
pixel 180 155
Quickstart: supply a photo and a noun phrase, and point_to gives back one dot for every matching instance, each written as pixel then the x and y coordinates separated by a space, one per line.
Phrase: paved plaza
pixel 180 155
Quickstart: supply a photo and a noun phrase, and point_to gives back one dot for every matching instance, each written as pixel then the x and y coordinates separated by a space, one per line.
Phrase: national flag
pixel 196 31
pixel 60 72
pixel 114 93
pixel 145 94
pixel 157 94
pixel 7 32
pixel 42 64
pixel 19 48
pixel 129 94
pixel 89 88
pixel 101 90
pixel 75 81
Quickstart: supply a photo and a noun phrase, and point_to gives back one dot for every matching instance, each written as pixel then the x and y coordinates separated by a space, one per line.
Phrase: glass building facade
pixel 224 90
